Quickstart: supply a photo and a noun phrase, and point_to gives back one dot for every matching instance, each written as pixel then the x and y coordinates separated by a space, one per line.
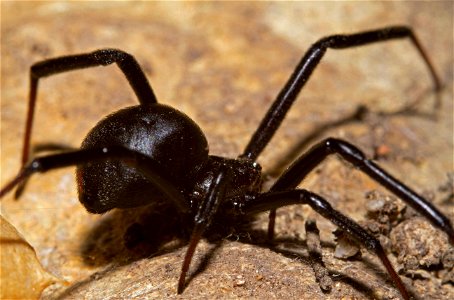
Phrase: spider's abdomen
pixel 171 138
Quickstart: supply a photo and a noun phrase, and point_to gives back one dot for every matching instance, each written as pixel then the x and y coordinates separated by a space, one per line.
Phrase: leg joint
pixel 319 204
pixel 347 150
pixel 109 56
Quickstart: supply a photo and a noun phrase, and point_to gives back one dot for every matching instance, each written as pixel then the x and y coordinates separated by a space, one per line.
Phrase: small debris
pixel 346 247
pixel 382 151
pixel 448 258
pixel 384 212
pixel 447 276
pixel 258 277
pixel 417 243
pixel 447 188
pixel 239 281
pixel 315 252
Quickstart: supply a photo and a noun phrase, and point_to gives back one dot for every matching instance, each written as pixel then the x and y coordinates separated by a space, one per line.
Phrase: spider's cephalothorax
pixel 150 151
pixel 244 180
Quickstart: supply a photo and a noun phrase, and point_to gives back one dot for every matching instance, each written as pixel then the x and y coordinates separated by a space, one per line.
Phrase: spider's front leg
pixel 142 163
pixel 206 210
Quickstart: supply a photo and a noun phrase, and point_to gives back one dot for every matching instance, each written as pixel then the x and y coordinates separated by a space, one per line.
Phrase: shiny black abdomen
pixel 168 136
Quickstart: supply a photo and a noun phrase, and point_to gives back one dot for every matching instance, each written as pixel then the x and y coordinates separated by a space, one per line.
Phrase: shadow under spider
pixel 105 245
pixel 126 235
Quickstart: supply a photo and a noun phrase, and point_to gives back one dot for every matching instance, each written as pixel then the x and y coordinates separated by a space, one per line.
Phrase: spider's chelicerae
pixel 152 149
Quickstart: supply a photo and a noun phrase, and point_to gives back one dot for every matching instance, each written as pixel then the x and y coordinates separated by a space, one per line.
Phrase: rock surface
pixel 222 64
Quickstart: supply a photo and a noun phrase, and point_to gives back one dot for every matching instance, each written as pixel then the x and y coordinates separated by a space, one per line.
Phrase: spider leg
pixel 206 210
pixel 309 160
pixel 276 113
pixel 103 57
pixel 273 200
pixel 144 164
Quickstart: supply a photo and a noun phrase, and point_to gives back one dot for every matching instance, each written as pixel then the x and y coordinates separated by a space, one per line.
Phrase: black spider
pixel 151 150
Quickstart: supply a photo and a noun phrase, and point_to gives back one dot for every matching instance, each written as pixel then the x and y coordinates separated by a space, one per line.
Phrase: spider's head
pixel 245 178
